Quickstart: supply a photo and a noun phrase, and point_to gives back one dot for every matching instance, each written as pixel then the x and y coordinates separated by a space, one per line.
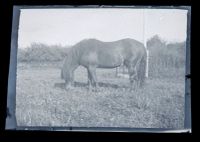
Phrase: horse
pixel 93 54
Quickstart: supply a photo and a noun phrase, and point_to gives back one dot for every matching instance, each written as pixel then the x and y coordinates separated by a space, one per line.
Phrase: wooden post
pixel 145 44
pixel 147 64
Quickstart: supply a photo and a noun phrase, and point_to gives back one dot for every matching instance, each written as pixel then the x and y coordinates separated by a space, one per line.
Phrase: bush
pixel 39 52
pixel 163 56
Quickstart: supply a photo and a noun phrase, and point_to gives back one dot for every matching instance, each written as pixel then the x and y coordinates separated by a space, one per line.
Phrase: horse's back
pixel 108 54
pixel 94 44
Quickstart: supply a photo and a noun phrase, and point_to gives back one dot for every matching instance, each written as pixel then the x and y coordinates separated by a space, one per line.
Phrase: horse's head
pixel 69 65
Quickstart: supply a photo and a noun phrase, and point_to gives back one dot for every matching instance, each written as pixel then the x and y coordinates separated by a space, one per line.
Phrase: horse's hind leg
pixel 69 84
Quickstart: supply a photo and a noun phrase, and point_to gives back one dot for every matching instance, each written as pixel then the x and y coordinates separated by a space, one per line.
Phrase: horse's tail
pixel 142 69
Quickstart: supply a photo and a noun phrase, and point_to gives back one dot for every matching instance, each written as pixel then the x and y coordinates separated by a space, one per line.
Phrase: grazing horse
pixel 93 54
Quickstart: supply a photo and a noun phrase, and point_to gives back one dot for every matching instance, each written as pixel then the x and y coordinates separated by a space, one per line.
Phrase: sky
pixel 69 26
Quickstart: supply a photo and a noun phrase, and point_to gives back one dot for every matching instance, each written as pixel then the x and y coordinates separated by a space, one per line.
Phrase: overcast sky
pixel 69 26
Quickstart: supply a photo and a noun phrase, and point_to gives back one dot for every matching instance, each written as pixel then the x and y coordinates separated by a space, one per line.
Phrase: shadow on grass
pixel 100 84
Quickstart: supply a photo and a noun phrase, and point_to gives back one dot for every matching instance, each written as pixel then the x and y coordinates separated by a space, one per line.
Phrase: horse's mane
pixel 73 55
pixel 70 60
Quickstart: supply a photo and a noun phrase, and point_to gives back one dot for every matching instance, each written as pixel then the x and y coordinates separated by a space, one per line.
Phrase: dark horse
pixel 93 54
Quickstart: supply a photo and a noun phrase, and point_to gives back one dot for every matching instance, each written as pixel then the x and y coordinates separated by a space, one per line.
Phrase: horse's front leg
pixel 89 81
pixel 95 81
pixel 133 80
pixel 133 85
pixel 69 84
pixel 92 79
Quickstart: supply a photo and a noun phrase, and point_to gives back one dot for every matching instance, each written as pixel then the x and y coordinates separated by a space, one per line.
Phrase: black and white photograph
pixel 101 67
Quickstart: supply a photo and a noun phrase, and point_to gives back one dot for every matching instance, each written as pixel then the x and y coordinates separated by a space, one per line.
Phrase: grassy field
pixel 43 101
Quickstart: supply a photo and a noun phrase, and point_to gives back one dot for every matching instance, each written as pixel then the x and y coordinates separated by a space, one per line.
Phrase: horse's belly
pixel 110 61
pixel 108 66
pixel 89 59
pixel 102 59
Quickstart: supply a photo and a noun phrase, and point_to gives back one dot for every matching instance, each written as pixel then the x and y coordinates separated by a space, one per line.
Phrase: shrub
pixel 164 57
pixel 39 52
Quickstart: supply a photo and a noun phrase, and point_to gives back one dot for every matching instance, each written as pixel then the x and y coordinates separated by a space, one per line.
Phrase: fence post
pixel 145 43
pixel 147 64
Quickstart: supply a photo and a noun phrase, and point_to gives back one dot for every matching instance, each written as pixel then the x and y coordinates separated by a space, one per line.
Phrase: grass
pixel 42 100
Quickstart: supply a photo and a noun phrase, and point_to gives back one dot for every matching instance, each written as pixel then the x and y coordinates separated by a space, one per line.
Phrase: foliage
pixel 39 52
pixel 165 56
